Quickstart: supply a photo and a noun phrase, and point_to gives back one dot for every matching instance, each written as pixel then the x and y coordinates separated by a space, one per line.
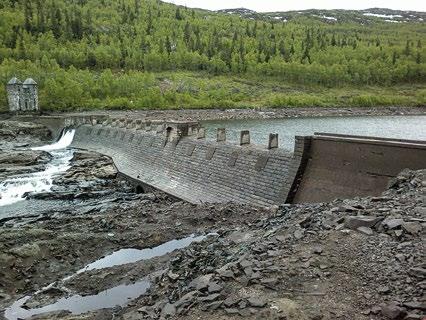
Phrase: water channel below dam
pixel 400 127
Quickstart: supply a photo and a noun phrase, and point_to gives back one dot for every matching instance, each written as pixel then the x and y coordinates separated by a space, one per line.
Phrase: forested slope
pixel 149 54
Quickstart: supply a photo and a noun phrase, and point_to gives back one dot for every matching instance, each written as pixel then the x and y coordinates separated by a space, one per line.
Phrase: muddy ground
pixel 352 259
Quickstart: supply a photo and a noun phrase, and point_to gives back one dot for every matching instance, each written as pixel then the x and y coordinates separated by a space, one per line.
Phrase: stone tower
pixel 29 95
pixel 14 94
pixel 22 96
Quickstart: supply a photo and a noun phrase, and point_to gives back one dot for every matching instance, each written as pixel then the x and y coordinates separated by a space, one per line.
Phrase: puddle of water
pixel 125 256
pixel 12 190
pixel 77 304
pixel 119 295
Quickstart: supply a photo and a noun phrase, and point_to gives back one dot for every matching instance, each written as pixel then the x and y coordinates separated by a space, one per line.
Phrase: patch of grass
pixel 298 100
pixel 368 100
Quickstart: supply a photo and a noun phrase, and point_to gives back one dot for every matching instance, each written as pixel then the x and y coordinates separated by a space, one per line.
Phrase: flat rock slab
pixel 354 222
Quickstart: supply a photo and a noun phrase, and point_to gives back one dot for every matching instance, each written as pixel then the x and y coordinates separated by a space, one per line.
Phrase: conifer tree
pixel 57 23
pixel 407 50
pixel 178 14
pixel 28 15
pixel 418 58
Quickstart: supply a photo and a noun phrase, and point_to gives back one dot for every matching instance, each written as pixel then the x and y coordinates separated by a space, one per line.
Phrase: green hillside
pixel 149 54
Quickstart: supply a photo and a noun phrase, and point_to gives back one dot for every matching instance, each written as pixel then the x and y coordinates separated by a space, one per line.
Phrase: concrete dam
pixel 175 157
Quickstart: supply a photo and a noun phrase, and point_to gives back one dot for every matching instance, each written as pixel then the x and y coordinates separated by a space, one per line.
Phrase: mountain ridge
pixel 369 15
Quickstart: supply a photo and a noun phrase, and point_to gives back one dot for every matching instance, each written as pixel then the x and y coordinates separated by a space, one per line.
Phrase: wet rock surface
pixel 91 175
pixel 90 185
pixel 15 139
pixel 16 134
pixel 14 162
pixel 291 262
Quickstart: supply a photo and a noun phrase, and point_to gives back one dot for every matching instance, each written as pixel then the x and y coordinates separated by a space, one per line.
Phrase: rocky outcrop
pixel 87 165
pixel 21 162
pixel 91 175
pixel 23 158
pixel 17 134
pixel 307 262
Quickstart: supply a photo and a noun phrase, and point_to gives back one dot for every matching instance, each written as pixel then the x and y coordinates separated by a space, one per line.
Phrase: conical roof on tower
pixel 14 81
pixel 30 81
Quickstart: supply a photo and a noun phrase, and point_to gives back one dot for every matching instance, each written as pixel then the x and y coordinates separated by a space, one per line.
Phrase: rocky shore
pixel 15 157
pixel 85 247
pixel 14 162
pixel 264 113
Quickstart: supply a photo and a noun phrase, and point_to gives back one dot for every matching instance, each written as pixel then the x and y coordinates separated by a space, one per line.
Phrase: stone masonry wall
pixel 193 169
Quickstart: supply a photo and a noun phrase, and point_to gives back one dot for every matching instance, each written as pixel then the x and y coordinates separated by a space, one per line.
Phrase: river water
pixel 13 189
pixel 402 127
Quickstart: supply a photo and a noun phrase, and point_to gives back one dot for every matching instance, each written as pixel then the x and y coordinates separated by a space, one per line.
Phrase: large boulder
pixel 88 166
pixel 355 222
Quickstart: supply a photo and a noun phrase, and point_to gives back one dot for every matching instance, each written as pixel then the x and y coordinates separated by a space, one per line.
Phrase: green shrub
pixel 280 101
pixel 421 97
pixel 379 100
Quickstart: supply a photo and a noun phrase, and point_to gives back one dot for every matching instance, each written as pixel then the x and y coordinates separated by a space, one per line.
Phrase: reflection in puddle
pixel 77 304
pixel 124 256
pixel 110 298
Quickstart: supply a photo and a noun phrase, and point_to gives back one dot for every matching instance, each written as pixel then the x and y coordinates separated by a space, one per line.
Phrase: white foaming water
pixel 62 143
pixel 12 190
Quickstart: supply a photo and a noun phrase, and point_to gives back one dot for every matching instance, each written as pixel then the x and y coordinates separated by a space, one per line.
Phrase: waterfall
pixel 64 141
pixel 13 189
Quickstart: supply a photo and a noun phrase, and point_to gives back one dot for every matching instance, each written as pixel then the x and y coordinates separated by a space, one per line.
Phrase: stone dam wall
pixel 176 158
pixel 191 168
